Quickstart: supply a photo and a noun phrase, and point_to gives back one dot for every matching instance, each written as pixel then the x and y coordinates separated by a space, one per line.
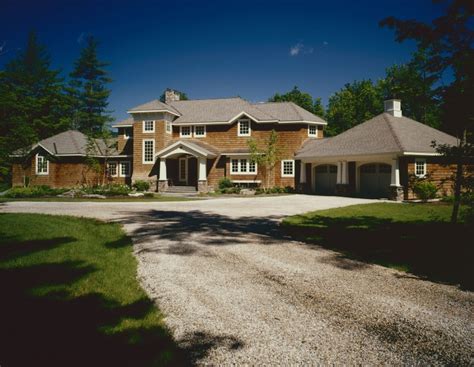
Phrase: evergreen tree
pixel 89 92
pixel 32 101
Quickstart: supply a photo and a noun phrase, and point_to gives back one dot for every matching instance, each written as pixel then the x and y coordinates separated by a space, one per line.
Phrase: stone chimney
pixel 393 107
pixel 171 96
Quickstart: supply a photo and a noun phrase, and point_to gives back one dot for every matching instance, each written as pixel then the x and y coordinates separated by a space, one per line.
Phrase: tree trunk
pixel 457 192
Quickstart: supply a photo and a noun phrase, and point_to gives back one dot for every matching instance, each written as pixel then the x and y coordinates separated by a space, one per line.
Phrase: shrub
pixel 425 190
pixel 33 192
pixel 225 183
pixel 141 185
pixel 108 190
pixel 230 190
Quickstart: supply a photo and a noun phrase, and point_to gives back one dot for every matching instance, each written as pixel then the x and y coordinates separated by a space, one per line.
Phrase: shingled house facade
pixel 195 143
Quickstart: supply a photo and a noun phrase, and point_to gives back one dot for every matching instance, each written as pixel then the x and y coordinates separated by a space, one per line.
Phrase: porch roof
pixel 189 146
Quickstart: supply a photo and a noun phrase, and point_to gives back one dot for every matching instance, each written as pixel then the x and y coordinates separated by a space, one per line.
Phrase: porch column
pixel 302 172
pixel 344 173
pixel 163 177
pixel 202 169
pixel 396 190
pixel 339 173
pixel 202 175
pixel 395 173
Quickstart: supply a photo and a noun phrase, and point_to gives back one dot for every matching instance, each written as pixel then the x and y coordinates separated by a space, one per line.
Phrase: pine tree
pixel 88 90
pixel 33 105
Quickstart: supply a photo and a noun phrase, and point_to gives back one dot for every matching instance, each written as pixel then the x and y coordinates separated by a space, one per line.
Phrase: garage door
pixel 375 180
pixel 325 177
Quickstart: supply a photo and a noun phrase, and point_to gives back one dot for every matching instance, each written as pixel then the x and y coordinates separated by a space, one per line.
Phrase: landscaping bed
pixel 70 296
pixel 415 238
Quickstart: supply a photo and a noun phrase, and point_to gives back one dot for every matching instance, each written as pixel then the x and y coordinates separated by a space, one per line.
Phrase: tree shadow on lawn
pixel 42 323
pixel 433 250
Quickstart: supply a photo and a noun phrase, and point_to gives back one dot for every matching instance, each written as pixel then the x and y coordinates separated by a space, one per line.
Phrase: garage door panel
pixel 325 178
pixel 375 179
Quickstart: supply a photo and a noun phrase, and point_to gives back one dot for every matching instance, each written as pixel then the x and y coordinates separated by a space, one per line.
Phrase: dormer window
pixel 42 165
pixel 148 126
pixel 313 131
pixel 185 131
pixel 244 128
pixel 200 131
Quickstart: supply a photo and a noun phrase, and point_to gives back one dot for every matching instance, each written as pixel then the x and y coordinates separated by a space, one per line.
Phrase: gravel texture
pixel 234 291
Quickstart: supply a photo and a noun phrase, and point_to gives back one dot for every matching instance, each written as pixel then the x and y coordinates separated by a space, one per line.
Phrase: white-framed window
pixel 127 133
pixel 241 166
pixel 112 169
pixel 420 167
pixel 243 128
pixel 148 151
pixel 168 127
pixel 313 131
pixel 200 131
pixel 149 126
pixel 42 165
pixel 185 131
pixel 288 168
pixel 124 169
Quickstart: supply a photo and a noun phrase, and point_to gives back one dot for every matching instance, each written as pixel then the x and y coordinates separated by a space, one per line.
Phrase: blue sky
pixel 211 49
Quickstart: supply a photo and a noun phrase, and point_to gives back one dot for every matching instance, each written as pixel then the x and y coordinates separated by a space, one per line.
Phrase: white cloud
pixel 296 49
pixel 300 48
pixel 325 43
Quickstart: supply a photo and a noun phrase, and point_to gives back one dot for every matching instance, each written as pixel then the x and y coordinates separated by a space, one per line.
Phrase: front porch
pixel 183 164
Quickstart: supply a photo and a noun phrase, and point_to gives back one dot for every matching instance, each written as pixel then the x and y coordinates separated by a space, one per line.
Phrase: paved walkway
pixel 235 291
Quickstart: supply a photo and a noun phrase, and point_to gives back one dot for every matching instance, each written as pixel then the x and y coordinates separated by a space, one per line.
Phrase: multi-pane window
pixel 244 128
pixel 169 127
pixel 148 150
pixel 148 126
pixel 288 168
pixel 243 165
pixel 112 169
pixel 313 130
pixel 200 131
pixel 42 165
pixel 124 169
pixel 186 131
pixel 420 167
pixel 235 166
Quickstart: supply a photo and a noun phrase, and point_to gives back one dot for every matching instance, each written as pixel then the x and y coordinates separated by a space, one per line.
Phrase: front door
pixel 183 170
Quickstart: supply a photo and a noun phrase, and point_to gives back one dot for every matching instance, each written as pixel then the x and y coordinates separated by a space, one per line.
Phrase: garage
pixel 325 178
pixel 375 180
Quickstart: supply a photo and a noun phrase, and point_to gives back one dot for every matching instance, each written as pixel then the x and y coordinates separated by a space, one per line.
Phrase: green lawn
pixel 70 296
pixel 415 238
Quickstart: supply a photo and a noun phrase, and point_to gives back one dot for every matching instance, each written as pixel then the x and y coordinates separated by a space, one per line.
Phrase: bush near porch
pixel 414 238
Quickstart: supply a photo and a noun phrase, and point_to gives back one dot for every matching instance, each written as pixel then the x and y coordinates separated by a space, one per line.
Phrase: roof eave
pixel 153 111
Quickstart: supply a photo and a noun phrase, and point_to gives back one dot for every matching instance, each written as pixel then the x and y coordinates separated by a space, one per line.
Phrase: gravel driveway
pixel 235 291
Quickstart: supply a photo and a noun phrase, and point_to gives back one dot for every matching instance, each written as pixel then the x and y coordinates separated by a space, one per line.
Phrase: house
pixel 378 158
pixel 62 161
pixel 196 143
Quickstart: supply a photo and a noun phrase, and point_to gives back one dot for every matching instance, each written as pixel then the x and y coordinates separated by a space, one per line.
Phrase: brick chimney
pixel 171 96
pixel 393 107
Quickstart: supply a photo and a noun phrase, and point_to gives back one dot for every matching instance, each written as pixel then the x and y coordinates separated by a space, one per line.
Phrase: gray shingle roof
pixel 75 143
pixel 226 109
pixel 380 135
pixel 126 122
pixel 155 105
